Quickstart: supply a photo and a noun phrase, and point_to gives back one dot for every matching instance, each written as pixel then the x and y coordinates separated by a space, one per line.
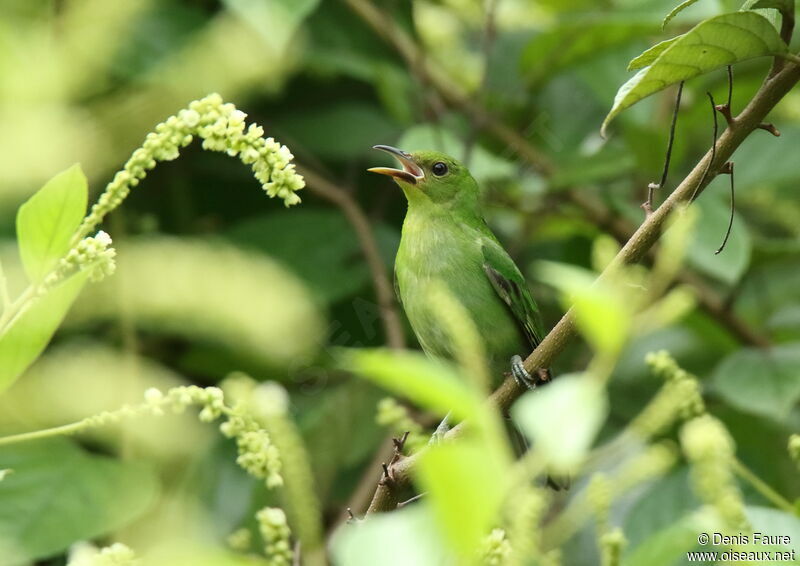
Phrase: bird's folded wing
pixel 512 289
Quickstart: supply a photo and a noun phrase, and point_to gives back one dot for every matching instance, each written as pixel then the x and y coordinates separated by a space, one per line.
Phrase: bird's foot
pixel 438 435
pixel 524 378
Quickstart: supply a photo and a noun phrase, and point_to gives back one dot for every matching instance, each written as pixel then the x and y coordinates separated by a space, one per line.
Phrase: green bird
pixel 445 238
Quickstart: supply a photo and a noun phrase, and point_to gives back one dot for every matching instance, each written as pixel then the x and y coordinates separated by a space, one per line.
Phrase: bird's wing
pixel 512 289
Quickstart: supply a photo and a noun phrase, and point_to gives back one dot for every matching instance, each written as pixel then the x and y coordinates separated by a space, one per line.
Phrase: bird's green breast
pixel 435 246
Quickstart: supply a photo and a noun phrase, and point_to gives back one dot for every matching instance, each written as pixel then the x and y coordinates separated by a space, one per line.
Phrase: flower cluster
pixel 276 534
pixel 525 512
pixel 222 128
pixel 600 495
pixel 794 449
pixel 257 454
pixel 655 461
pixel 679 398
pixel 495 549
pixel 612 544
pixel 117 554
pixel 395 417
pixel 710 450
pixel 93 253
pixel 240 539
pixel 5 473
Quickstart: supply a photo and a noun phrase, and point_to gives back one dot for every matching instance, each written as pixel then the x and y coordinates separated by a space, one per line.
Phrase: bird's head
pixel 432 178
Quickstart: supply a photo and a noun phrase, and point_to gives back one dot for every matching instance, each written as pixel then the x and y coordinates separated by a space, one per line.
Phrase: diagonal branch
pixel 772 90
pixel 594 209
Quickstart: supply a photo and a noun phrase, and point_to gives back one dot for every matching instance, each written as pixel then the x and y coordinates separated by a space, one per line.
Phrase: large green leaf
pixel 432 384
pixel 403 537
pixel 28 335
pixel 764 382
pixel 729 265
pixel 668 546
pixel 563 419
pixel 274 20
pixel 466 487
pixel 60 494
pixel 714 43
pixel 574 42
pixel 47 221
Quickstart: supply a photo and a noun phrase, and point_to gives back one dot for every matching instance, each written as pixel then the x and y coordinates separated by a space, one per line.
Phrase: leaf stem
pixel 761 487
pixel 62 430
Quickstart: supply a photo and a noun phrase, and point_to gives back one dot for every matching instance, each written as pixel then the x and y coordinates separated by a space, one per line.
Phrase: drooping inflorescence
pixel 221 126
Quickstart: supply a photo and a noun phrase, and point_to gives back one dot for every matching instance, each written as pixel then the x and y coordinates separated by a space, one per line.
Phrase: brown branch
pixel 384 290
pixel 772 90
pixel 415 60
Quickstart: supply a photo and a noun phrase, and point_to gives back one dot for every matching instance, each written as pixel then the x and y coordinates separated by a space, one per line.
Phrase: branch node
pixel 769 127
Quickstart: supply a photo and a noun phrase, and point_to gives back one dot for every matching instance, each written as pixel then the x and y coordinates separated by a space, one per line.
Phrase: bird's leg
pixel 525 379
pixel 438 435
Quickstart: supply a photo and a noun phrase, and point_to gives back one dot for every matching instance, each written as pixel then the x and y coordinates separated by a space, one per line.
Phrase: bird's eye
pixel 439 169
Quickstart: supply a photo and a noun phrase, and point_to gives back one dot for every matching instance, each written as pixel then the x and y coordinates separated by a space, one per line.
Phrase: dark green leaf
pixel 765 382
pixel 47 221
pixel 714 43
pixel 572 43
pixel 59 494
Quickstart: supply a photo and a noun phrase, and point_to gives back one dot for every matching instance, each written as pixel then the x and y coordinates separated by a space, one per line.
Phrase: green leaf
pixel 602 311
pixel 59 494
pixel 764 382
pixel 403 537
pixel 714 43
pixel 669 546
pixel 651 54
pixel 318 245
pixel 729 265
pixel 563 419
pixel 575 42
pixel 275 20
pixel 466 486
pixel 675 11
pixel 28 335
pixel 431 384
pixel 47 221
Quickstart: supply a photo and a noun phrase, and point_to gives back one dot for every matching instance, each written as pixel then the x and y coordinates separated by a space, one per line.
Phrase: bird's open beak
pixel 411 173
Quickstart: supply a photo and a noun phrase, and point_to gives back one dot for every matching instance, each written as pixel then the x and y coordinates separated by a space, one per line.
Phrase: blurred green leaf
pixel 483 165
pixel 403 537
pixel 603 314
pixel 29 333
pixel 774 522
pixel 47 221
pixel 432 384
pixel 662 504
pixel 339 130
pixel 60 494
pixel 466 486
pixel 729 265
pixel 668 546
pixel 764 382
pixel 716 42
pixel 319 245
pixel 274 20
pixel 575 42
pixel 783 6
pixel 210 291
pixel 563 419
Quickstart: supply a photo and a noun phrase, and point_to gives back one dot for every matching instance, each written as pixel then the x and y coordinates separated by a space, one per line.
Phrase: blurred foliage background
pixel 214 278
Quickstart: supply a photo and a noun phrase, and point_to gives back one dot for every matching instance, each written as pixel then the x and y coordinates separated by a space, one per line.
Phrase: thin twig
pixel 729 171
pixel 384 290
pixel 713 148
pixel 652 187
pixel 725 109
